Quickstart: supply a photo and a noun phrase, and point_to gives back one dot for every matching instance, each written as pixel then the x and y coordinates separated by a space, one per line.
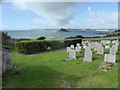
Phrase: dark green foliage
pixel 30 47
pixel 35 46
pixel 72 42
pixel 55 44
pixel 41 38
pixel 22 39
pixel 7 42
pixel 78 36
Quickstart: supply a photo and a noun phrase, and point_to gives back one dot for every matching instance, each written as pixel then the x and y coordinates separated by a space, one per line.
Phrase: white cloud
pixel 59 13
pixel 98 19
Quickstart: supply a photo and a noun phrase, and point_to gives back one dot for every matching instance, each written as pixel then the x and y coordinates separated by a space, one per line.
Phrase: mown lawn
pixel 50 70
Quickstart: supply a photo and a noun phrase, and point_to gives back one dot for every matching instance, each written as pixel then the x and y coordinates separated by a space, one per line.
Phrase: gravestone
pixel 6 60
pixel 114 41
pixel 84 46
pixel 68 49
pixel 110 58
pixel 100 50
pixel 72 54
pixel 108 41
pixel 72 47
pixel 107 47
pixel 78 49
pixel 78 44
pixel 88 54
pixel 113 50
pixel 116 46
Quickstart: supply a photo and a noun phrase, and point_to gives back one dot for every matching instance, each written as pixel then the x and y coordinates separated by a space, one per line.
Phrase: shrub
pixel 41 38
pixel 55 44
pixel 69 42
pixel 30 47
pixel 7 42
pixel 35 46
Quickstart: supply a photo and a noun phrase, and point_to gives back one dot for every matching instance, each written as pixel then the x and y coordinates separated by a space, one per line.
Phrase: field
pixel 50 70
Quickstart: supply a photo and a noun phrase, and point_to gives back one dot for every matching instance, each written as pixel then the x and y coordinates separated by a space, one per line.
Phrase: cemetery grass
pixel 50 70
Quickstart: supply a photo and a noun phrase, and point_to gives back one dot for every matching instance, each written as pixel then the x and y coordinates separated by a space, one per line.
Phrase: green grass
pixel 49 70
pixel 103 38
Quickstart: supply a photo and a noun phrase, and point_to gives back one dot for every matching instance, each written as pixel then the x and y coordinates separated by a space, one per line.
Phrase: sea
pixel 51 34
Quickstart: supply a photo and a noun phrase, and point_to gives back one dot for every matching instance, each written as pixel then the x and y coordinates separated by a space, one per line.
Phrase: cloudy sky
pixel 48 15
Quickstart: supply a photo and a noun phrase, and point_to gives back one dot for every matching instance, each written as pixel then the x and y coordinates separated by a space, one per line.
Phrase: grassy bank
pixel 49 70
pixel 103 38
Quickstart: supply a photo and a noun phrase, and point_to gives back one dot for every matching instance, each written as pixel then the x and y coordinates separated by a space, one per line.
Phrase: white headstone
pixel 113 50
pixel 107 47
pixel 114 41
pixel 72 47
pixel 88 54
pixel 78 49
pixel 108 41
pixel 78 44
pixel 72 54
pixel 100 50
pixel 110 58
pixel 68 49
pixel 84 46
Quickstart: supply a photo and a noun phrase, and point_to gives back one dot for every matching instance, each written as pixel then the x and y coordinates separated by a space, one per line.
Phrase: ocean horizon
pixel 52 33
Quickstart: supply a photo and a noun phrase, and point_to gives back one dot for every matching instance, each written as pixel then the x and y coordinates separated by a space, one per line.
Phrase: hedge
pixel 35 46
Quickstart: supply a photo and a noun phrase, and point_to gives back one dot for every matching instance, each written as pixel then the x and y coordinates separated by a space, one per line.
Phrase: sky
pixel 52 15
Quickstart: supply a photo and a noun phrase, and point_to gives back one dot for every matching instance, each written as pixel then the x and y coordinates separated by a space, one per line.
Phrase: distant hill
pixel 63 30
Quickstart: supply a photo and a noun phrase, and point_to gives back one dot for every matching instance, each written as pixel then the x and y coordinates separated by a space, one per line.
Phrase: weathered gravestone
pixel 72 53
pixel 78 44
pixel 84 46
pixel 113 50
pixel 107 47
pixel 6 61
pixel 72 47
pixel 100 50
pixel 78 49
pixel 110 58
pixel 88 54
pixel 68 49
pixel 114 41
pixel 109 61
pixel 108 41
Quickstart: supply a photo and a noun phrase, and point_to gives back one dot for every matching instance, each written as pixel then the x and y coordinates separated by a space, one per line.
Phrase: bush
pixel 55 44
pixel 30 47
pixel 41 38
pixel 69 42
pixel 35 46
pixel 7 42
